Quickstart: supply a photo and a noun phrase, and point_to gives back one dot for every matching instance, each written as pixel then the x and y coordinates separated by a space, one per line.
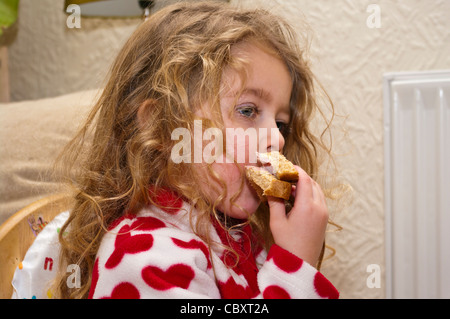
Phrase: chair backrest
pixel 19 231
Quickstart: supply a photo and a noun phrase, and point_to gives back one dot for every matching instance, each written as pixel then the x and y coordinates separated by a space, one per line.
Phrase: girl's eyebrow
pixel 257 92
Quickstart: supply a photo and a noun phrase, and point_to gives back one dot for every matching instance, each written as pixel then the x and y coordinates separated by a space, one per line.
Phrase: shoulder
pixel 139 249
pixel 152 230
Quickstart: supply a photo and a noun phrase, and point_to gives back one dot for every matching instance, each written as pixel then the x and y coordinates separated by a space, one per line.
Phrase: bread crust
pixel 274 178
pixel 279 165
pixel 266 184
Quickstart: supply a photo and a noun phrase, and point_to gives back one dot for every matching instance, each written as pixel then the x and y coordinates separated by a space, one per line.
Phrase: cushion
pixel 32 133
pixel 33 278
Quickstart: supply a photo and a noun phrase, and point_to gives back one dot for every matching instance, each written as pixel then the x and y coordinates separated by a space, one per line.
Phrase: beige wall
pixel 48 59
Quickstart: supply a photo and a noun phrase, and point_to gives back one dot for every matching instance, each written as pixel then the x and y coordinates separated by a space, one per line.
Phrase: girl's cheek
pixel 242 146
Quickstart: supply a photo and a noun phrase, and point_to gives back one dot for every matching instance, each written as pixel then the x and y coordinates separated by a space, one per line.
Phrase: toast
pixel 279 166
pixel 274 178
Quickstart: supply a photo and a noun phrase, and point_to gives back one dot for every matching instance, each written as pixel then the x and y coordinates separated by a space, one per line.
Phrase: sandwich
pixel 274 177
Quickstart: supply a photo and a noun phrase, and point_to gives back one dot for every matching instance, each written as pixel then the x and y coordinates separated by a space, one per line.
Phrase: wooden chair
pixel 19 231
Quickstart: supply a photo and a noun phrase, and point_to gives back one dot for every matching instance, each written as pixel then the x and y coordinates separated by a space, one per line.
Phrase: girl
pixel 145 225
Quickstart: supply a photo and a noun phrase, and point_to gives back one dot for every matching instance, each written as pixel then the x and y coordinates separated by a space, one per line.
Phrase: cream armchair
pixel 32 133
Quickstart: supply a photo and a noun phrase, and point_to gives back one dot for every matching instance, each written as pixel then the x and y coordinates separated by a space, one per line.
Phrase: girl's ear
pixel 144 112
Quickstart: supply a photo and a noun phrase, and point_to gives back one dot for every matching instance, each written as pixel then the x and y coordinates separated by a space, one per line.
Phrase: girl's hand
pixel 302 231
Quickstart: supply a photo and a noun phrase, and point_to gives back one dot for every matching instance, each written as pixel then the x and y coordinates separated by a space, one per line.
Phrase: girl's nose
pixel 271 139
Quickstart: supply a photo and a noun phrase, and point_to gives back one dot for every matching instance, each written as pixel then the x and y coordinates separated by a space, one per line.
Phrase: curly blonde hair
pixel 171 64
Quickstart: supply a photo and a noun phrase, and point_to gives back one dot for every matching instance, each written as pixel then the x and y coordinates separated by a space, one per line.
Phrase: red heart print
pixel 178 275
pixel 124 290
pixel 127 244
pixel 324 288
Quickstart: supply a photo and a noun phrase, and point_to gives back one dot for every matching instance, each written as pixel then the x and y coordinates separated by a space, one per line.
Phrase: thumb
pixel 277 212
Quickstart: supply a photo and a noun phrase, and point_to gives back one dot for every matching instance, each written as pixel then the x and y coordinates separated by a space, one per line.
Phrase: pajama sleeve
pixel 284 275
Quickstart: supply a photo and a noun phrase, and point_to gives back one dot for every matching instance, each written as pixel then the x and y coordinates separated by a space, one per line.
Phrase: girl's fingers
pixel 304 187
pixel 294 191
pixel 277 212
pixel 319 196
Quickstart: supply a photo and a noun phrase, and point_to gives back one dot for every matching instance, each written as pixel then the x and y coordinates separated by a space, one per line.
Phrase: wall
pixel 49 59
pixel 349 58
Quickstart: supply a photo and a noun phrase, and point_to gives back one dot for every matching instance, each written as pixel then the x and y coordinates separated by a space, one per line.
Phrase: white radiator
pixel 417 184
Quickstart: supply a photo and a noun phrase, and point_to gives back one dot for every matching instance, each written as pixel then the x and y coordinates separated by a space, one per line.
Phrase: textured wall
pixel 349 58
pixel 49 59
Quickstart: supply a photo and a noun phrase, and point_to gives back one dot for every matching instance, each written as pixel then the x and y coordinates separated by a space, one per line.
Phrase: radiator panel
pixel 417 189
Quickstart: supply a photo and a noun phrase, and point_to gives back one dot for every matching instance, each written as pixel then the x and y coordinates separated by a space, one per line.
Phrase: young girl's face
pixel 261 104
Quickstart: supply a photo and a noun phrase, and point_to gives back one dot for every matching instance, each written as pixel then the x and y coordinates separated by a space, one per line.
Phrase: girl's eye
pixel 248 111
pixel 283 128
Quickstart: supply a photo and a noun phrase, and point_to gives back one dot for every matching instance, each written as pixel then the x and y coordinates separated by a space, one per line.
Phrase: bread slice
pixel 274 178
pixel 279 166
pixel 266 184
